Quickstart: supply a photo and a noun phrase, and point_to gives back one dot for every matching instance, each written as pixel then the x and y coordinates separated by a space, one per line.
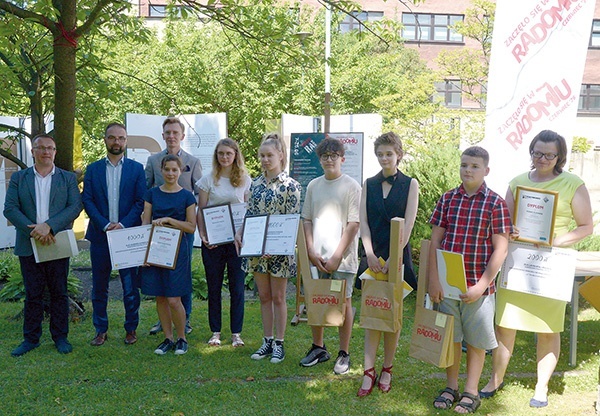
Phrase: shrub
pixel 436 170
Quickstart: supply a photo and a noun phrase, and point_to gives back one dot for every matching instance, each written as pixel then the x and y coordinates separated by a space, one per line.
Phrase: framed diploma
pixel 218 223
pixel 535 213
pixel 542 271
pixel 254 235
pixel 128 246
pixel 281 234
pixel 163 247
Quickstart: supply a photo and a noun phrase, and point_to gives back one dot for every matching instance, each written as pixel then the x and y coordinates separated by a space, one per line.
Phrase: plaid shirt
pixel 469 224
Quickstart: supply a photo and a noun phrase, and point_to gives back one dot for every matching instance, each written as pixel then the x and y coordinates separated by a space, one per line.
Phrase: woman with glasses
pixel 527 312
pixel 386 195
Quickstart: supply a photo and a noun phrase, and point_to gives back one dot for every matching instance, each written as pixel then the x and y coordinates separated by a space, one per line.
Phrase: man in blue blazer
pixel 40 202
pixel 113 191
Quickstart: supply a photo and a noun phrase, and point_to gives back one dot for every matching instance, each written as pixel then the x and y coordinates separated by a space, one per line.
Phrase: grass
pixel 131 380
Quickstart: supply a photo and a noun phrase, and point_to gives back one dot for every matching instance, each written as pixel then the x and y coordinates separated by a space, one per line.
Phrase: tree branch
pixel 26 14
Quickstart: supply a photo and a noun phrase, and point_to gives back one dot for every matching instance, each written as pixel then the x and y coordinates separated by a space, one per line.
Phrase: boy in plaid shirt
pixel 472 220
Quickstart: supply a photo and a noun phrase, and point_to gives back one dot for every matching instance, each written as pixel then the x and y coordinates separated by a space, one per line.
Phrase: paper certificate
pixel 218 224
pixel 128 246
pixel 535 212
pixel 64 246
pixel 238 212
pixel 163 246
pixel 281 234
pixel 254 235
pixel 371 275
pixel 451 272
pixel 542 271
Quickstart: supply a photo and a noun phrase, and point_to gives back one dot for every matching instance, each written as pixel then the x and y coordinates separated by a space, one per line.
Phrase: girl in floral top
pixel 273 192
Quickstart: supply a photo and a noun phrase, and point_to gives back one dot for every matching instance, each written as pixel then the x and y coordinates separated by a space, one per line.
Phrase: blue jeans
pixel 101 268
pixel 215 260
pixel 36 276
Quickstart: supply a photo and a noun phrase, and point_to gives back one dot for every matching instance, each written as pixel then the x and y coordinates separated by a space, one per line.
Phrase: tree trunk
pixel 65 48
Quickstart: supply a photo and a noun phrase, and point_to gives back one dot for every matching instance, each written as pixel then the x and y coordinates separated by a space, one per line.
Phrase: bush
pixel 580 145
pixel 437 171
pixel 9 265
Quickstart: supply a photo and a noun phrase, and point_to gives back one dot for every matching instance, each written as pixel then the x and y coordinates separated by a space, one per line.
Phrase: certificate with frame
pixel 535 214
pixel 163 247
pixel 128 246
pixel 238 212
pixel 254 235
pixel 218 223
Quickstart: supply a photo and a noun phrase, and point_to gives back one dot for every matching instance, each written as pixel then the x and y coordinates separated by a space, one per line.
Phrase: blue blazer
pixel 95 197
pixel 20 208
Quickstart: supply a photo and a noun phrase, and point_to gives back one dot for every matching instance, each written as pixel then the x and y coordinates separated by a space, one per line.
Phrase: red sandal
pixel 373 376
pixel 385 387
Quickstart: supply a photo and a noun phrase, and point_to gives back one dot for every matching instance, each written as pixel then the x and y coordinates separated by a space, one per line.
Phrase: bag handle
pixel 396 249
pixel 423 265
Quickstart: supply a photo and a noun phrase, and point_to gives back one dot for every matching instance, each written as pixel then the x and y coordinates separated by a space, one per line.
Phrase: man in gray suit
pixel 40 202
pixel 173 134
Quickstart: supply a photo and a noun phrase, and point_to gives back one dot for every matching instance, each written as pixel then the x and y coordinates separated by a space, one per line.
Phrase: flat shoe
pixel 471 406
pixel 488 394
pixel 447 402
pixel 538 403
pixel 215 340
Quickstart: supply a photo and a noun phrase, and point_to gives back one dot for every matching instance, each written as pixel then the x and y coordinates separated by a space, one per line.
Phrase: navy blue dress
pixel 380 212
pixel 158 281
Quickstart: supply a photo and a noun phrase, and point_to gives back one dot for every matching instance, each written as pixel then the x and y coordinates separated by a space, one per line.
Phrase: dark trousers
pixel 215 260
pixel 186 300
pixel 36 276
pixel 101 268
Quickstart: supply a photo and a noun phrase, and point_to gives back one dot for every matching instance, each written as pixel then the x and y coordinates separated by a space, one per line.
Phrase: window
pixel 352 22
pixel 156 10
pixel 430 27
pixel 589 99
pixel 595 36
pixel 448 93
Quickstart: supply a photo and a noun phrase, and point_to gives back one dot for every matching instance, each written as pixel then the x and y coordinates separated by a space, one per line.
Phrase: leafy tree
pixel 471 65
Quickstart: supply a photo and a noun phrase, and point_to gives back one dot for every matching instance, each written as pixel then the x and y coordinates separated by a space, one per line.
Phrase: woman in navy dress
pixel 388 194
pixel 170 205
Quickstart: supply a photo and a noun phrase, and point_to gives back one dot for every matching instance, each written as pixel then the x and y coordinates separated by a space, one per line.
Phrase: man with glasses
pixel 40 202
pixel 113 191
pixel 330 219
pixel 173 134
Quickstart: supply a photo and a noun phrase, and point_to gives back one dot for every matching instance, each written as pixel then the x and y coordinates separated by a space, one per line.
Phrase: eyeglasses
pixel 548 156
pixel 43 149
pixel 121 139
pixel 332 156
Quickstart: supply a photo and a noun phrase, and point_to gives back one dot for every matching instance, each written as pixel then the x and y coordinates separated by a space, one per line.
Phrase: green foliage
pixel 471 65
pixel 437 170
pixel 14 289
pixel 9 265
pixel 590 243
pixel 580 145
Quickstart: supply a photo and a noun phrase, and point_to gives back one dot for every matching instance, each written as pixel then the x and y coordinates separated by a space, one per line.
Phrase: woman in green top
pixel 527 312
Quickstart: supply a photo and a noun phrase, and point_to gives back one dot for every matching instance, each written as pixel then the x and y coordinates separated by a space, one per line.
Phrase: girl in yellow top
pixel 526 312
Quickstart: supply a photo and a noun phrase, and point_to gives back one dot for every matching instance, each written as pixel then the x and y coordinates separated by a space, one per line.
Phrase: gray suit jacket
pixel 20 208
pixel 190 174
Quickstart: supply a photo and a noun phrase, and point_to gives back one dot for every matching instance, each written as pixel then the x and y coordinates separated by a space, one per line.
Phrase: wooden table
pixel 588 264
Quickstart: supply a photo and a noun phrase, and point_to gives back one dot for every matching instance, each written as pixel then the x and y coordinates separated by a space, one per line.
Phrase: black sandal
pixel 445 400
pixel 469 407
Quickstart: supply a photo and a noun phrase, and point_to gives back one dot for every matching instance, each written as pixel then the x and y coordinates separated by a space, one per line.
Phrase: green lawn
pixel 132 380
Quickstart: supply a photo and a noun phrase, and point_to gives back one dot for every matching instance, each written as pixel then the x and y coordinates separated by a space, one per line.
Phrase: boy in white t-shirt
pixel 330 219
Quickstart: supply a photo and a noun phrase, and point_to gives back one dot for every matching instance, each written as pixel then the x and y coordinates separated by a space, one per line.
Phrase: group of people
pixel 470 219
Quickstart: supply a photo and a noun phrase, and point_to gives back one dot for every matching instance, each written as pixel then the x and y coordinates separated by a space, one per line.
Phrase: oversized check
pixel 543 271
pixel 127 246
pixel 281 234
